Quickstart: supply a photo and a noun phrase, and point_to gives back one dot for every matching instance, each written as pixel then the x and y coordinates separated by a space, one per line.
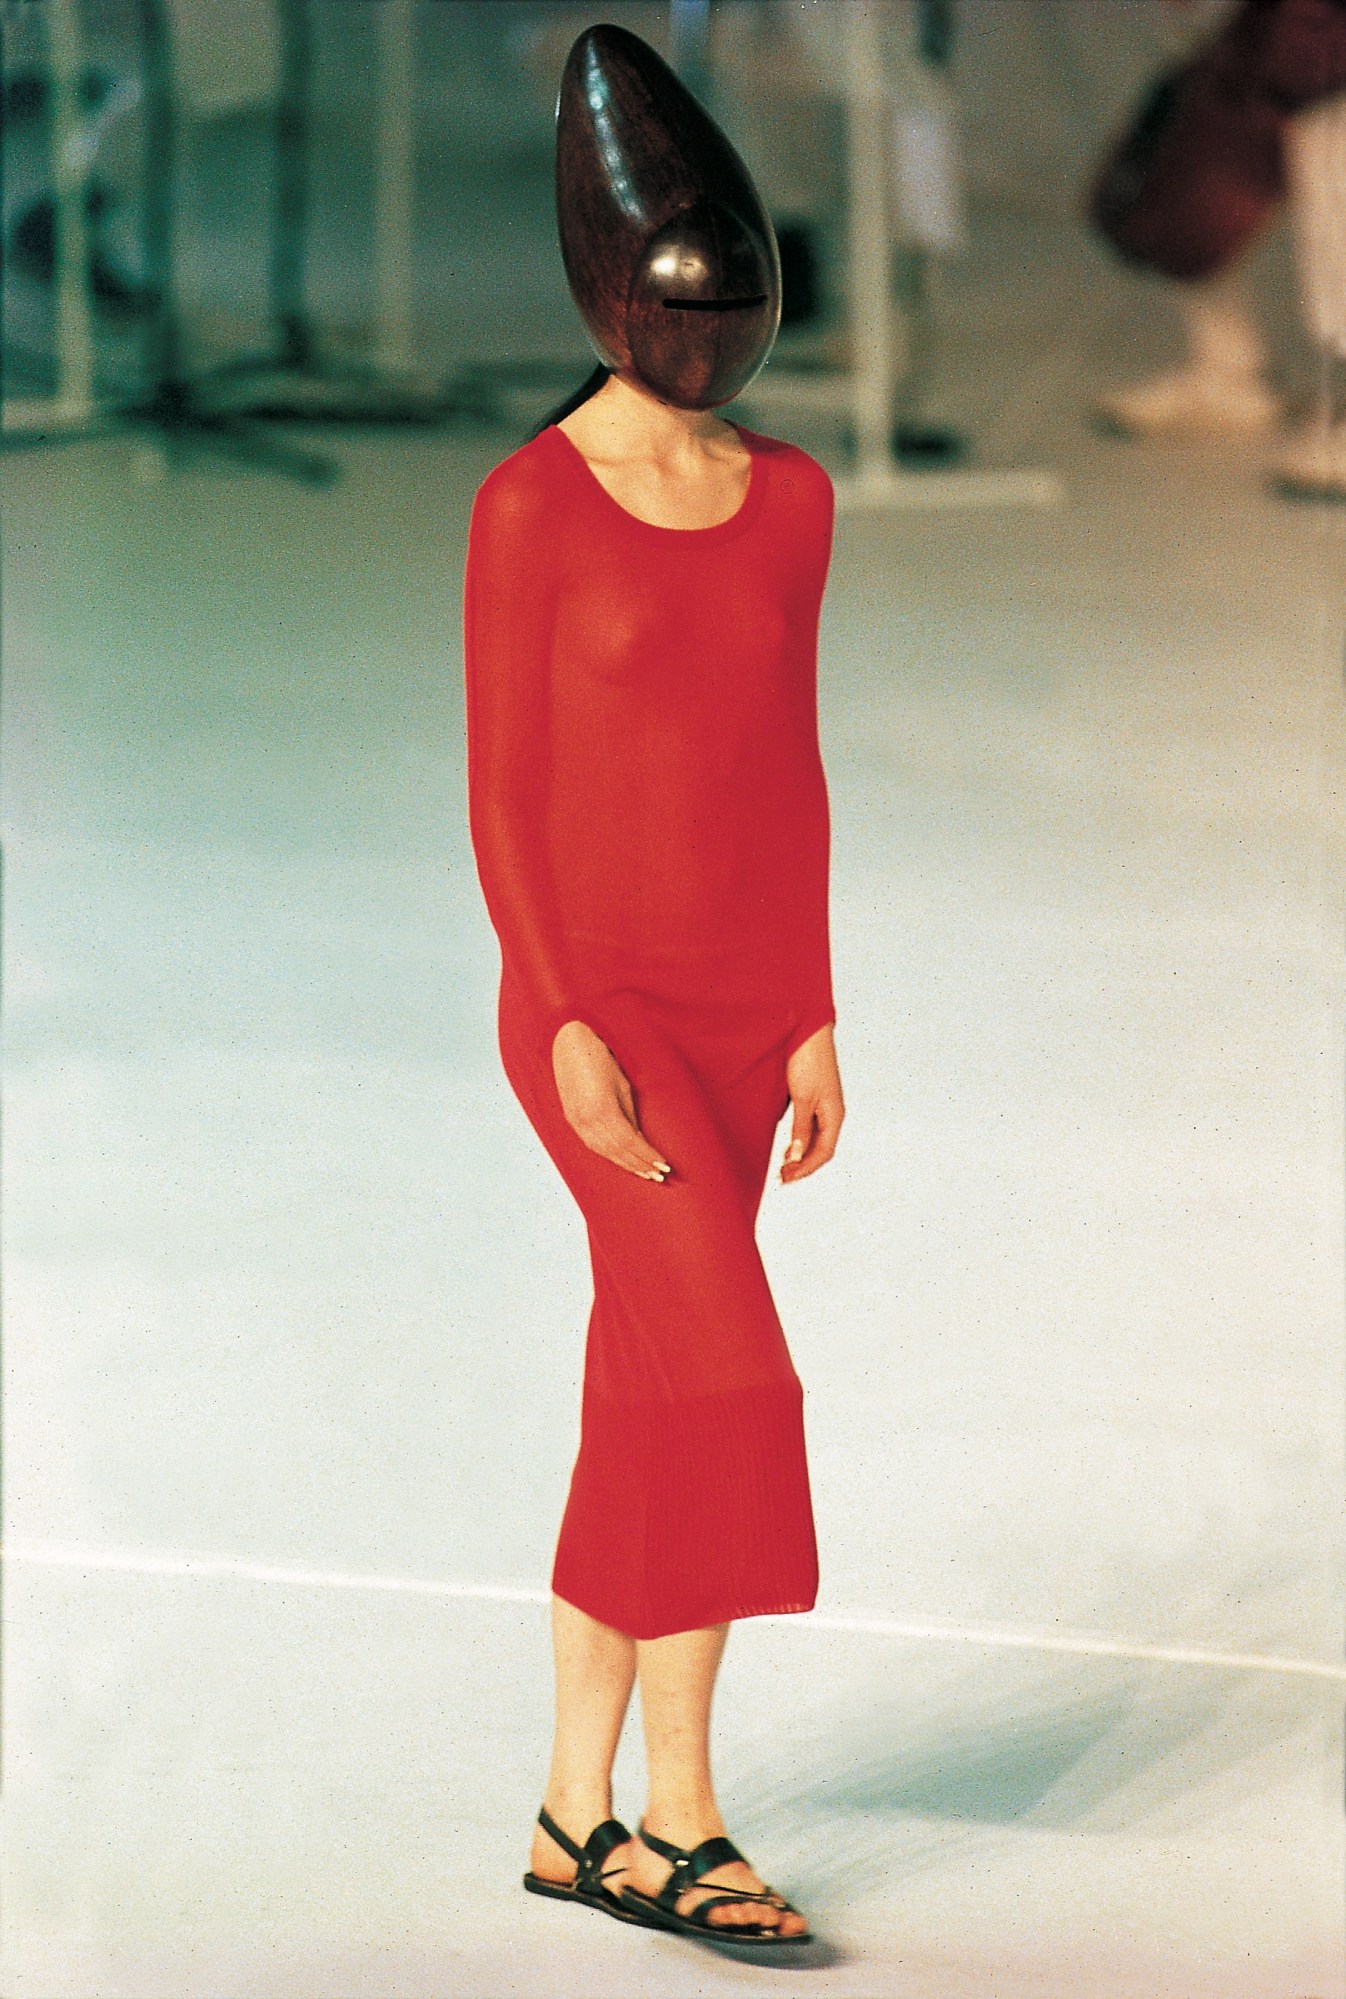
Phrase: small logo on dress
pixel 787 485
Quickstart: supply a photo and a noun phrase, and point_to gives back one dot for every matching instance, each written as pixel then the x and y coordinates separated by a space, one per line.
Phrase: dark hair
pixel 588 387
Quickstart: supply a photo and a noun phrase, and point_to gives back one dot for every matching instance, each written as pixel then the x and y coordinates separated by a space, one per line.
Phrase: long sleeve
pixel 809 947
pixel 508 641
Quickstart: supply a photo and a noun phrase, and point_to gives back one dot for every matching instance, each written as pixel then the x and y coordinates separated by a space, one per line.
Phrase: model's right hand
pixel 599 1103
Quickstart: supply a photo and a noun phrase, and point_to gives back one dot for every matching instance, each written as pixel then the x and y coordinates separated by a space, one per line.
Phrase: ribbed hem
pixel 729 1615
pixel 692 1513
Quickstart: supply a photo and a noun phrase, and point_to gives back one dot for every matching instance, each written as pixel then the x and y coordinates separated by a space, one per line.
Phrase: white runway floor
pixel 290 1286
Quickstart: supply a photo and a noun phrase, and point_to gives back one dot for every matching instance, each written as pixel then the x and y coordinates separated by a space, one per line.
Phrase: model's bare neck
pixel 626 420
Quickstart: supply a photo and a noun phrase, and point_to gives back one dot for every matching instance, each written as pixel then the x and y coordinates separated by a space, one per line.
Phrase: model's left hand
pixel 816 1105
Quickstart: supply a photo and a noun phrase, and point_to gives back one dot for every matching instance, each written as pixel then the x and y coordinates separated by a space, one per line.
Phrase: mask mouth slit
pixel 714 304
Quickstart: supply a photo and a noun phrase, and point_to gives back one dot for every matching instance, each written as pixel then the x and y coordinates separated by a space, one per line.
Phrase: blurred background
pixel 294 1304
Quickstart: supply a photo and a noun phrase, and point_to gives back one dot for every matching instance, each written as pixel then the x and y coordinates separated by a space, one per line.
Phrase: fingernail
pixel 795 1149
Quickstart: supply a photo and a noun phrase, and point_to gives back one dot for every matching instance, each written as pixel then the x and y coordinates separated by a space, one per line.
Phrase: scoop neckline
pixel 741 518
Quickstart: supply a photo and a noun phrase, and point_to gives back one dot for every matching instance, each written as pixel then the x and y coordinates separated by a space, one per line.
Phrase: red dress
pixel 650 822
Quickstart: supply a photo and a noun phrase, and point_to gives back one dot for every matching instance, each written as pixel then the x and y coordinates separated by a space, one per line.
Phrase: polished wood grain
pixel 669 253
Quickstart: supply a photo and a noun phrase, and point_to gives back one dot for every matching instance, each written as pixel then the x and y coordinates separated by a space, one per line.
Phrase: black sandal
pixel 689 1864
pixel 587 1886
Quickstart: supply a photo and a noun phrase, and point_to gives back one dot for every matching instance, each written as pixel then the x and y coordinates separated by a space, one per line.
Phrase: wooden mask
pixel 669 253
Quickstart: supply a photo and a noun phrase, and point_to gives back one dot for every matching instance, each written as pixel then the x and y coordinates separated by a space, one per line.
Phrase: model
pixel 650 823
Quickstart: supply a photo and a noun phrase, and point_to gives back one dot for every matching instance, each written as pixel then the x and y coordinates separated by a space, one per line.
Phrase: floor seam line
pixel 1074 1644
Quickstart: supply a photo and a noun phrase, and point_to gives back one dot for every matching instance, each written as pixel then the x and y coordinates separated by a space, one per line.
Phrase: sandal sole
pixel 561 1891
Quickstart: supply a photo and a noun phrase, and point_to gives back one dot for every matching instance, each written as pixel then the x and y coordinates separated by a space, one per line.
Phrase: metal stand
pixel 229 408
pixel 881 339
pixel 296 383
pixel 71 409
pixel 174 417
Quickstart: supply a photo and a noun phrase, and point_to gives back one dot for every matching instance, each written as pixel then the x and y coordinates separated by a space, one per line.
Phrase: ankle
pixel 578 1807
pixel 684 1818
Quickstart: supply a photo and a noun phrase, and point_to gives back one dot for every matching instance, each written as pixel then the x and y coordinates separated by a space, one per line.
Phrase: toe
pixel 734 1915
pixel 760 1914
pixel 789 1921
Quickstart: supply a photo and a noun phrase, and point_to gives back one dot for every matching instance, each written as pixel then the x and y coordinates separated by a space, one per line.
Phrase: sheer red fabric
pixel 650 820
pixel 644 767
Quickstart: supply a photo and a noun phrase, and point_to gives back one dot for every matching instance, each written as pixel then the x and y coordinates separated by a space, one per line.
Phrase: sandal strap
pixel 603 1840
pixel 744 1894
pixel 700 1915
pixel 691 1864
pixel 589 1858
pixel 554 1831
pixel 694 1861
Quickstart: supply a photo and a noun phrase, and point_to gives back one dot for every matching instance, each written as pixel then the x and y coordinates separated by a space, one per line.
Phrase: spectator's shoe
pixel 1190 402
pixel 1312 464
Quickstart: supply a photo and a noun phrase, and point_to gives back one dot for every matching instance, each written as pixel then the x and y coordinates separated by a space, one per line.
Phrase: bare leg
pixel 1313 461
pixel 595 1671
pixel 1220 387
pixel 677 1680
